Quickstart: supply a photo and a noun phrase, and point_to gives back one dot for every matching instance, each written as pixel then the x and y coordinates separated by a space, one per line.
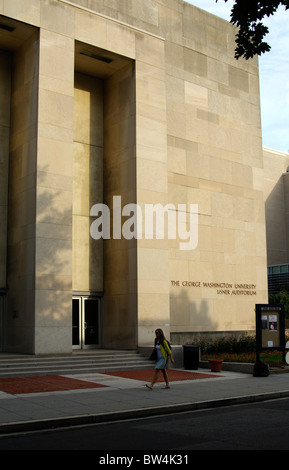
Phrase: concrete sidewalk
pixel 124 395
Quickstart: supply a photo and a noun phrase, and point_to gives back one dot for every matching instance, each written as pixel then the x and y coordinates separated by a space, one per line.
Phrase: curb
pixel 83 420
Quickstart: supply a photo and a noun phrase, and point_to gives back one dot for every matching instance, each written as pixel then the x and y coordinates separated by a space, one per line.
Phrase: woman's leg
pixel 155 377
pixel 166 378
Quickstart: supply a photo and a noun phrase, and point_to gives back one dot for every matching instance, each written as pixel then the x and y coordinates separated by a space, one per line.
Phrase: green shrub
pixel 230 344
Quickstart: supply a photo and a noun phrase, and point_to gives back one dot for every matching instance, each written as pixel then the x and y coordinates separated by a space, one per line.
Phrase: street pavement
pixel 48 402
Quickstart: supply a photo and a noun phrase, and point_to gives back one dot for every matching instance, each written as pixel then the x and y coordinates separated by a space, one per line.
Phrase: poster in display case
pixel 270 328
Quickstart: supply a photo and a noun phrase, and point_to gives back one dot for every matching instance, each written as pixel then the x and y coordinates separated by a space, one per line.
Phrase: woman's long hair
pixel 161 337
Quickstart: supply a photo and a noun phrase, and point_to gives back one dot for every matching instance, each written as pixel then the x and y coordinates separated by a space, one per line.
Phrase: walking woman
pixel 163 353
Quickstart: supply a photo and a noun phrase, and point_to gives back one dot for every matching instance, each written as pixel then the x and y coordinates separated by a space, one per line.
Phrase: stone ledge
pixel 231 366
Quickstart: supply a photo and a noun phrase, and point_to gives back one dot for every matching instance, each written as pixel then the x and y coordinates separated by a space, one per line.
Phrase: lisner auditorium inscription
pixel 221 288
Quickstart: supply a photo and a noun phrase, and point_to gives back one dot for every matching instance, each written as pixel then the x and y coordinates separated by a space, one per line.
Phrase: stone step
pixel 90 358
pixel 74 364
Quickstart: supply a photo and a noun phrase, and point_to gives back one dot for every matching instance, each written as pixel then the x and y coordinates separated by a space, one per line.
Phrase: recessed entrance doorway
pixel 85 322
pixel 2 300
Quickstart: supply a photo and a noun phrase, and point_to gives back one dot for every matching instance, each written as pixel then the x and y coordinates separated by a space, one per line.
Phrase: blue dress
pixel 161 361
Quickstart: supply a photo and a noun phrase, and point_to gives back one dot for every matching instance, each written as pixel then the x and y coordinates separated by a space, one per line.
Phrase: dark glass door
pixel 91 322
pixel 1 322
pixel 76 322
pixel 85 323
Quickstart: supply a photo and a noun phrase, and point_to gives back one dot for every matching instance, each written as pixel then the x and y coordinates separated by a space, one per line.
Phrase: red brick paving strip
pixel 51 383
pixel 174 375
pixel 54 383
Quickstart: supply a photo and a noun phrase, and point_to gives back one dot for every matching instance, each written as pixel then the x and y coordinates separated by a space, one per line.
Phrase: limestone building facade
pixel 128 105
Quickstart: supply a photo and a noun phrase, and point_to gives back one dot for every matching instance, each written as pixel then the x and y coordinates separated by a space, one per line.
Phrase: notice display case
pixel 270 328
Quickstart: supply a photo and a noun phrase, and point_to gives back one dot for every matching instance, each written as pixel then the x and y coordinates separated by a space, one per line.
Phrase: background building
pixel 140 99
pixel 276 171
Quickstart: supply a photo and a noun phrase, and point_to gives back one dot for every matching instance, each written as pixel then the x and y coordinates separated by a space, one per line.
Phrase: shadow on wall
pixel 189 316
pixel 54 216
pixel 49 261
pixel 54 211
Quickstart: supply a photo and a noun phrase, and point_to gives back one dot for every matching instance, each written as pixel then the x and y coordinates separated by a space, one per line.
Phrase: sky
pixel 273 70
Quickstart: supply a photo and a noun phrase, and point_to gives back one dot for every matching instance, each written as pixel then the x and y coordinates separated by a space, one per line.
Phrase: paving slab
pixel 57 401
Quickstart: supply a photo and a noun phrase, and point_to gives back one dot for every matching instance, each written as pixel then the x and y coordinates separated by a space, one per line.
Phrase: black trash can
pixel 191 356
